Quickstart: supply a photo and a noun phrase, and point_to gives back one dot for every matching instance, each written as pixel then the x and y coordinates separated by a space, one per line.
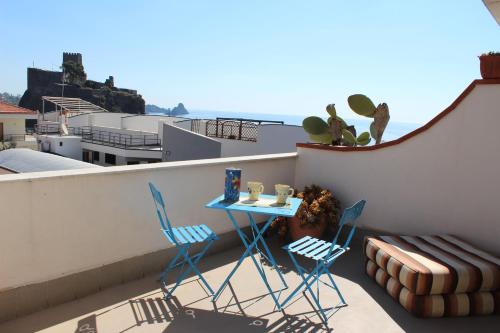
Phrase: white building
pixel 13 125
pixel 78 130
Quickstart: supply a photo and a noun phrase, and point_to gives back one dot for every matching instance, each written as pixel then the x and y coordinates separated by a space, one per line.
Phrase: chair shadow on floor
pixel 153 309
pixel 286 323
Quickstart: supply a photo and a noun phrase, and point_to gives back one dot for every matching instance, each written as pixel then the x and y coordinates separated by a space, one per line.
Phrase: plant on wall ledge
pixel 319 210
pixel 363 106
pixel 335 130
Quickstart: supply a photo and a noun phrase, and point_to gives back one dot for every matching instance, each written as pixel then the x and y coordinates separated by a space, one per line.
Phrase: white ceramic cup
pixel 254 190
pixel 283 192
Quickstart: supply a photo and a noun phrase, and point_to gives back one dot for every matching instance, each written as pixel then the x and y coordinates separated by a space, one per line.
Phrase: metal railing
pixel 105 138
pixel 118 140
pixel 195 125
pixel 47 129
pixel 232 129
pixel 15 137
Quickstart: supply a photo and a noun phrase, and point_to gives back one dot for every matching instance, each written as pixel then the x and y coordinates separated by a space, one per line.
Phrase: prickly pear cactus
pixel 335 131
pixel 363 106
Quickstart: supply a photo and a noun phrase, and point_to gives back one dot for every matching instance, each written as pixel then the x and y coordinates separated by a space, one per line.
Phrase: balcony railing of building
pixel 105 138
pixel 235 128
pixel 117 140
pixel 17 137
pixel 47 129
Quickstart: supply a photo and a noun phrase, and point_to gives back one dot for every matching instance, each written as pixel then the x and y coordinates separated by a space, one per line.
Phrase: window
pixel 60 143
pixel 110 159
pixel 95 156
pixel 85 156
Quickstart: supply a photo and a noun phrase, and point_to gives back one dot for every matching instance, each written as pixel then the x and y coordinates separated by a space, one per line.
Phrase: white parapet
pixel 62 222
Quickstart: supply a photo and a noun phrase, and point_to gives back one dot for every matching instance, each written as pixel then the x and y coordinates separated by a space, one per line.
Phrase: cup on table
pixel 283 192
pixel 254 190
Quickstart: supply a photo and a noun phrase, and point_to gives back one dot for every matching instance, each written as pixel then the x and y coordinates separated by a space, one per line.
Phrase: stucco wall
pixel 71 221
pixel 68 146
pixel 443 180
pixel 182 145
pixel 13 126
pixel 271 139
pixel 147 123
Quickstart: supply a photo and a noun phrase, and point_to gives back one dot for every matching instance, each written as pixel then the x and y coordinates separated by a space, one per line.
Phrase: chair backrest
pixel 350 215
pixel 161 211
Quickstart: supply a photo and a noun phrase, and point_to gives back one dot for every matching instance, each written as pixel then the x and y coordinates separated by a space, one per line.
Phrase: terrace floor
pixel 243 307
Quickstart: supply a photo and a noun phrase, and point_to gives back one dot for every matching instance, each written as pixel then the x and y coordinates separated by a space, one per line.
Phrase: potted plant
pixel 319 210
pixel 490 65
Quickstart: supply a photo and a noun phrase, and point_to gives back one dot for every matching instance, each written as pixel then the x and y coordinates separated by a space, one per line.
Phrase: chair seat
pixel 311 247
pixel 191 234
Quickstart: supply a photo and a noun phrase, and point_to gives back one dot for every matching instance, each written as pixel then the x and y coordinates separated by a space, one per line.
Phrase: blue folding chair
pixel 324 254
pixel 182 238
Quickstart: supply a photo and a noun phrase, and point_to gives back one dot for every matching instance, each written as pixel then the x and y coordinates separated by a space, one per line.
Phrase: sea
pixel 393 131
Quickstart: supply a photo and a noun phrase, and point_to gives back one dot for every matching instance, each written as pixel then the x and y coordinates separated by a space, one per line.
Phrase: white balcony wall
pixel 182 145
pixel 443 180
pixel 68 146
pixel 71 221
pixel 271 139
pixel 121 130
pixel 105 119
pixel 147 123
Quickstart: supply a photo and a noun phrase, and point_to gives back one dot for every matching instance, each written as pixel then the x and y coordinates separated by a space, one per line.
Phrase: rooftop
pixel 7 108
pixel 73 106
pixel 20 160
pixel 92 258
pixel 244 306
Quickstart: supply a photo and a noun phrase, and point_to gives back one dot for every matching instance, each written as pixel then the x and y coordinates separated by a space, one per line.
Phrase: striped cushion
pixel 434 265
pixel 449 305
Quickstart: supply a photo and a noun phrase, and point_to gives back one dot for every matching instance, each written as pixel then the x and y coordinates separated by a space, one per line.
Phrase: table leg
pixel 266 248
pixel 248 252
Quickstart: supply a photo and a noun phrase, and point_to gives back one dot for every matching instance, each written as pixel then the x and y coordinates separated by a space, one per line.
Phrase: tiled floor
pixel 243 307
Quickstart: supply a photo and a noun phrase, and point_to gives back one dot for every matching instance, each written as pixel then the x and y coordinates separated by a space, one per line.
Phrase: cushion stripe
pixel 467 275
pixel 463 304
pixel 486 271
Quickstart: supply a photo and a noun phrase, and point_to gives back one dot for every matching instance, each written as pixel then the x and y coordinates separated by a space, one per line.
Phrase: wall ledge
pixel 410 135
pixel 161 166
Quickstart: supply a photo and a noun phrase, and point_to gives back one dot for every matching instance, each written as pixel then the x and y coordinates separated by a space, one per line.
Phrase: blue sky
pixel 284 57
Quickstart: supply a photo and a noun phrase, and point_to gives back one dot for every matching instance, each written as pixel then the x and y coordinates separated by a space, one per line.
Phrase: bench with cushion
pixel 435 276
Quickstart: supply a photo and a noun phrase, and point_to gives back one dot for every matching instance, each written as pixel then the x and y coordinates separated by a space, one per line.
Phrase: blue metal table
pixel 257 234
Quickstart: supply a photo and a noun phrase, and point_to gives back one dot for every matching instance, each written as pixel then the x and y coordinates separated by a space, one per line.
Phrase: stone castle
pixel 49 83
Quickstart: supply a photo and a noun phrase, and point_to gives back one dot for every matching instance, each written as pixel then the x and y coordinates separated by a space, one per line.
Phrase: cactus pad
pixel 362 105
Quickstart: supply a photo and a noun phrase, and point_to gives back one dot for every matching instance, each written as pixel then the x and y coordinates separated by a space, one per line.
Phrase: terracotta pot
pixel 490 66
pixel 296 231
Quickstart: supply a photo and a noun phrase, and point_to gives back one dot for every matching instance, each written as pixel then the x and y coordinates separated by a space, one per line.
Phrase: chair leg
pixel 316 299
pixel 192 267
pixel 308 281
pixel 330 277
pixel 180 278
pixel 169 267
pixel 300 271
pixel 195 262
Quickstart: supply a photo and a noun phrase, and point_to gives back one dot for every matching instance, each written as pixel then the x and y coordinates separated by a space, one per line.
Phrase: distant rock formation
pixel 178 110
pixel 106 95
